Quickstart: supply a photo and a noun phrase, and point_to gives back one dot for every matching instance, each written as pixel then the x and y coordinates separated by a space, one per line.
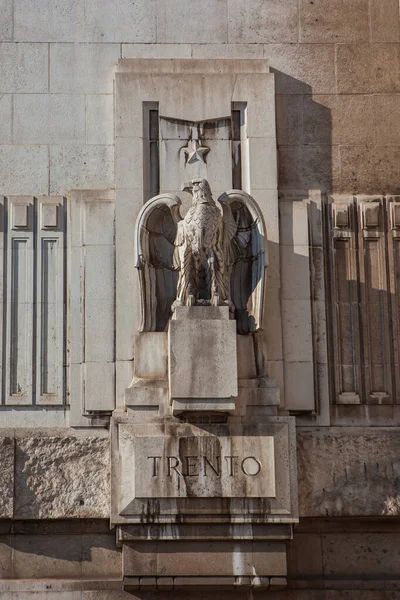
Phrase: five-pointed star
pixel 195 152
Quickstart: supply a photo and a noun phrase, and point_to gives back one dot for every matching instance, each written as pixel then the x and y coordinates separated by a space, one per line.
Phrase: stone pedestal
pixel 204 489
pixel 202 360
pixel 201 504
pixel 199 564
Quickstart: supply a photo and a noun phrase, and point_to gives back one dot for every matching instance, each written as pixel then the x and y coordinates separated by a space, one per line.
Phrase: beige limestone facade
pixel 249 449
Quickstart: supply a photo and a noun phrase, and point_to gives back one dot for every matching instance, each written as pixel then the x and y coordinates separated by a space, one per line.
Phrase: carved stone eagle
pixel 199 253
pixel 215 255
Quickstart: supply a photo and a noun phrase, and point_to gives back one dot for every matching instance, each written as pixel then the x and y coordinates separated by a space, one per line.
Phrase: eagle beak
pixel 187 186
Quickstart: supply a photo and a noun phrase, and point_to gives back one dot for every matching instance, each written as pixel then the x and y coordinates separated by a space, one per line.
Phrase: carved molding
pixel 341 215
pixel 362 255
pixel 369 212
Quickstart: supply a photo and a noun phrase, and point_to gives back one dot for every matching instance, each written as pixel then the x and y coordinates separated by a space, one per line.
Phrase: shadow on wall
pixel 366 484
pixel 304 139
pixel 59 549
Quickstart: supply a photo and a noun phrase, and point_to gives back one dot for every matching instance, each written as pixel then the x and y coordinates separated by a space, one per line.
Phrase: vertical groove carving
pixel 395 296
pixel 374 298
pixel 362 336
pixel 33 351
pixel 20 320
pixel 345 307
pixel 237 123
pixel 50 302
pixel 151 150
pixel 49 317
pixel 3 297
pixel 20 341
pixel 393 239
pixel 375 316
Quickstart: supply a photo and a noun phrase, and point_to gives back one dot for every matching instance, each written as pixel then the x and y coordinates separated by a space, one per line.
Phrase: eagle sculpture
pixel 215 256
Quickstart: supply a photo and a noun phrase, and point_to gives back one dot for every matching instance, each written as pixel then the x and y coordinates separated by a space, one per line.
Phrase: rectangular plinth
pixel 205 559
pixel 202 361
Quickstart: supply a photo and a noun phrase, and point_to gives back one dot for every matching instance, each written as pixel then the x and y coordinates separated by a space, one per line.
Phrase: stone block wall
pixel 337 77
pixel 56 474
pixel 337 66
pixel 55 540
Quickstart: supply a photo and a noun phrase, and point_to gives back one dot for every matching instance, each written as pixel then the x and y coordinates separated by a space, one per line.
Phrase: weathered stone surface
pixel 299 385
pixel 5 119
pixel 305 556
pixel 195 589
pixel 101 559
pixel 360 555
pixel 202 356
pixel 72 167
pixel 295 268
pixel 49 119
pixel 302 68
pixel 62 477
pixel 368 68
pixel 348 472
pixel 338 119
pixel 227 50
pixel 106 595
pixel 6 552
pixel 308 167
pixel 99 119
pixel 258 21
pixel 297 332
pixel 191 21
pixel 24 168
pixel 80 21
pixel 156 51
pixel 24 68
pixel 48 20
pixel 289 118
pixel 6 19
pixel 6 477
pixel 367 169
pixel 189 559
pixel 386 115
pixel 49 555
pixel 151 355
pixel 129 22
pixel 385 20
pixel 45 556
pixel 324 21
pixel 83 68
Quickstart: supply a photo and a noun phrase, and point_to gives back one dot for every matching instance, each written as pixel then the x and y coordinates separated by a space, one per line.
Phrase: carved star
pixel 195 152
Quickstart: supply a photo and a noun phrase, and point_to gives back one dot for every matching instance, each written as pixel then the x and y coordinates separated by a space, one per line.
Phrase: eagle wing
pixel 156 233
pixel 245 254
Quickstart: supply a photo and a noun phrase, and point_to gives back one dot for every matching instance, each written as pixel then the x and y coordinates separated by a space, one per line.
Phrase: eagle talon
pixel 216 300
pixel 175 304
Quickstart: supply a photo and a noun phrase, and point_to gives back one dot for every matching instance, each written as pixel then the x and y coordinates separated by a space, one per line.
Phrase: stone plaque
pixel 204 467
pixel 165 468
